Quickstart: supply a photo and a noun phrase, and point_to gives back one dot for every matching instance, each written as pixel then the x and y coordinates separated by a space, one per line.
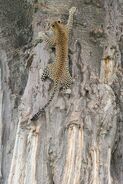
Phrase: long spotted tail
pixel 36 116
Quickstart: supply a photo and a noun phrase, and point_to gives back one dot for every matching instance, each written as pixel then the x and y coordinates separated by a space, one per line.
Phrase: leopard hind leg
pixel 45 74
pixel 48 72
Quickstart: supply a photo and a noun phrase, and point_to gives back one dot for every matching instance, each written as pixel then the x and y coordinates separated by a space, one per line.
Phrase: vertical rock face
pixel 15 32
pixel 79 138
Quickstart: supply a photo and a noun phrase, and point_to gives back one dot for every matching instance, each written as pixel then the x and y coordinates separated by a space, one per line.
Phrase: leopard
pixel 58 71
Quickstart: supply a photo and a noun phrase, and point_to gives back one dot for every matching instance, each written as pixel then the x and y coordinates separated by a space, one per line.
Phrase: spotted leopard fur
pixel 59 70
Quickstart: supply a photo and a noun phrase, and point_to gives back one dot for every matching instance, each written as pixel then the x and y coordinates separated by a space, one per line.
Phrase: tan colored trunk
pixel 79 138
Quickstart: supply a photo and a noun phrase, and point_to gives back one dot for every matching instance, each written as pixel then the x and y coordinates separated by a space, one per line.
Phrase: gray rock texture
pixel 79 139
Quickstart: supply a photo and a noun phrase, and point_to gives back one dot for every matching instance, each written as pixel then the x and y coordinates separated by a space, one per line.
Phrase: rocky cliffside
pixel 79 140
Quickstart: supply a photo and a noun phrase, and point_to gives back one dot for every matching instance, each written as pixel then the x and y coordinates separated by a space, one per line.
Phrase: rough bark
pixel 79 140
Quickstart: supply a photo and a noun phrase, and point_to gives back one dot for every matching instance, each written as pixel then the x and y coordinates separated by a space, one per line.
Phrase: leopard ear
pixel 53 25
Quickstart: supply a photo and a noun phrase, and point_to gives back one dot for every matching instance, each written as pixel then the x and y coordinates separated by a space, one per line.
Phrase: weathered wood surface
pixel 79 139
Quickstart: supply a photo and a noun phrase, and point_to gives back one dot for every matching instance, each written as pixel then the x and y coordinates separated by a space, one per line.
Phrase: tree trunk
pixel 79 138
